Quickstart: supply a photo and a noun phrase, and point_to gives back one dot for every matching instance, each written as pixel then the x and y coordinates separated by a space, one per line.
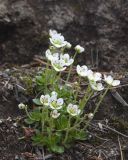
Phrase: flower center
pixel 54 104
pixel 58 66
pixel 57 41
pixel 72 110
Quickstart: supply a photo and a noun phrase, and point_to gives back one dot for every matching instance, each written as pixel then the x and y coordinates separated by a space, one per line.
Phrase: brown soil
pixel 112 113
pixel 101 27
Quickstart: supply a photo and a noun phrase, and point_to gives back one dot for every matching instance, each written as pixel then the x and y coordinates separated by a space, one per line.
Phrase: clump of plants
pixel 59 117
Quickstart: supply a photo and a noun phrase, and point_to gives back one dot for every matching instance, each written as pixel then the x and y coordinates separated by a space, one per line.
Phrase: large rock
pixel 100 26
pixel 18 31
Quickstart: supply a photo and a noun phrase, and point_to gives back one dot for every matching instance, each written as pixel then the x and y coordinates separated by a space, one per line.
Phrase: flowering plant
pixel 59 117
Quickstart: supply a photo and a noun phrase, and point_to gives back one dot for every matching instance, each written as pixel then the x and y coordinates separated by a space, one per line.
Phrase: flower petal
pixel 115 83
pixel 60 101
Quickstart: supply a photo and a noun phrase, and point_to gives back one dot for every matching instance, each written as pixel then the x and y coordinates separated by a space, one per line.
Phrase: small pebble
pixel 15 125
pixel 16 157
pixel 1 121
pixel 9 119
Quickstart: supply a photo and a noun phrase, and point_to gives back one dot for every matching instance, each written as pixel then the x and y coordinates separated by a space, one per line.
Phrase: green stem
pixel 46 77
pixel 51 128
pixel 101 99
pixel 86 97
pixel 76 124
pixel 28 113
pixel 77 89
pixel 54 80
pixel 59 76
pixel 70 69
pixel 42 121
pixel 67 132
pixel 97 106
pixel 62 50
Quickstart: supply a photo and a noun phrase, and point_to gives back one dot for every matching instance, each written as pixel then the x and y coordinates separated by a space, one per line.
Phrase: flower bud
pixel 79 49
pixel 68 45
pixel 90 116
pixel 76 83
pixel 22 106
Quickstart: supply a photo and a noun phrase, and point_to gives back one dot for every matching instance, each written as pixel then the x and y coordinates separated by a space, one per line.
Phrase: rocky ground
pixel 98 25
pixel 108 131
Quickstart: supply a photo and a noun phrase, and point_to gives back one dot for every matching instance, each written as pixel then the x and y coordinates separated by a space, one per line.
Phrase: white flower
pixel 22 106
pixel 58 65
pixel 96 86
pixel 56 103
pixel 79 49
pixel 68 45
pixel 52 32
pixel 73 110
pixel 45 99
pixel 94 76
pixel 54 94
pixel 53 98
pixel 50 56
pixel 109 80
pixel 60 101
pixel 67 60
pixel 82 71
pixel 55 114
pixel 57 39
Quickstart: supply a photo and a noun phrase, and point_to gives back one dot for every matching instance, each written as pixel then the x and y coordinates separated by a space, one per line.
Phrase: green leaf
pixel 29 121
pixel 62 122
pixel 65 92
pixel 80 135
pixel 40 79
pixel 37 101
pixel 40 139
pixel 57 149
pixel 58 137
pixel 36 115
pixel 67 145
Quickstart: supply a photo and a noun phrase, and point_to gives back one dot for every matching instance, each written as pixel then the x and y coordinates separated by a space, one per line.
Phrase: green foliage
pixel 62 122
pixel 47 77
pixel 37 101
pixel 59 115
pixel 56 133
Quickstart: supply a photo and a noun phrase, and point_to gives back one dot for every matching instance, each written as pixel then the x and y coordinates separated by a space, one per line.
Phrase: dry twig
pixel 121 153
